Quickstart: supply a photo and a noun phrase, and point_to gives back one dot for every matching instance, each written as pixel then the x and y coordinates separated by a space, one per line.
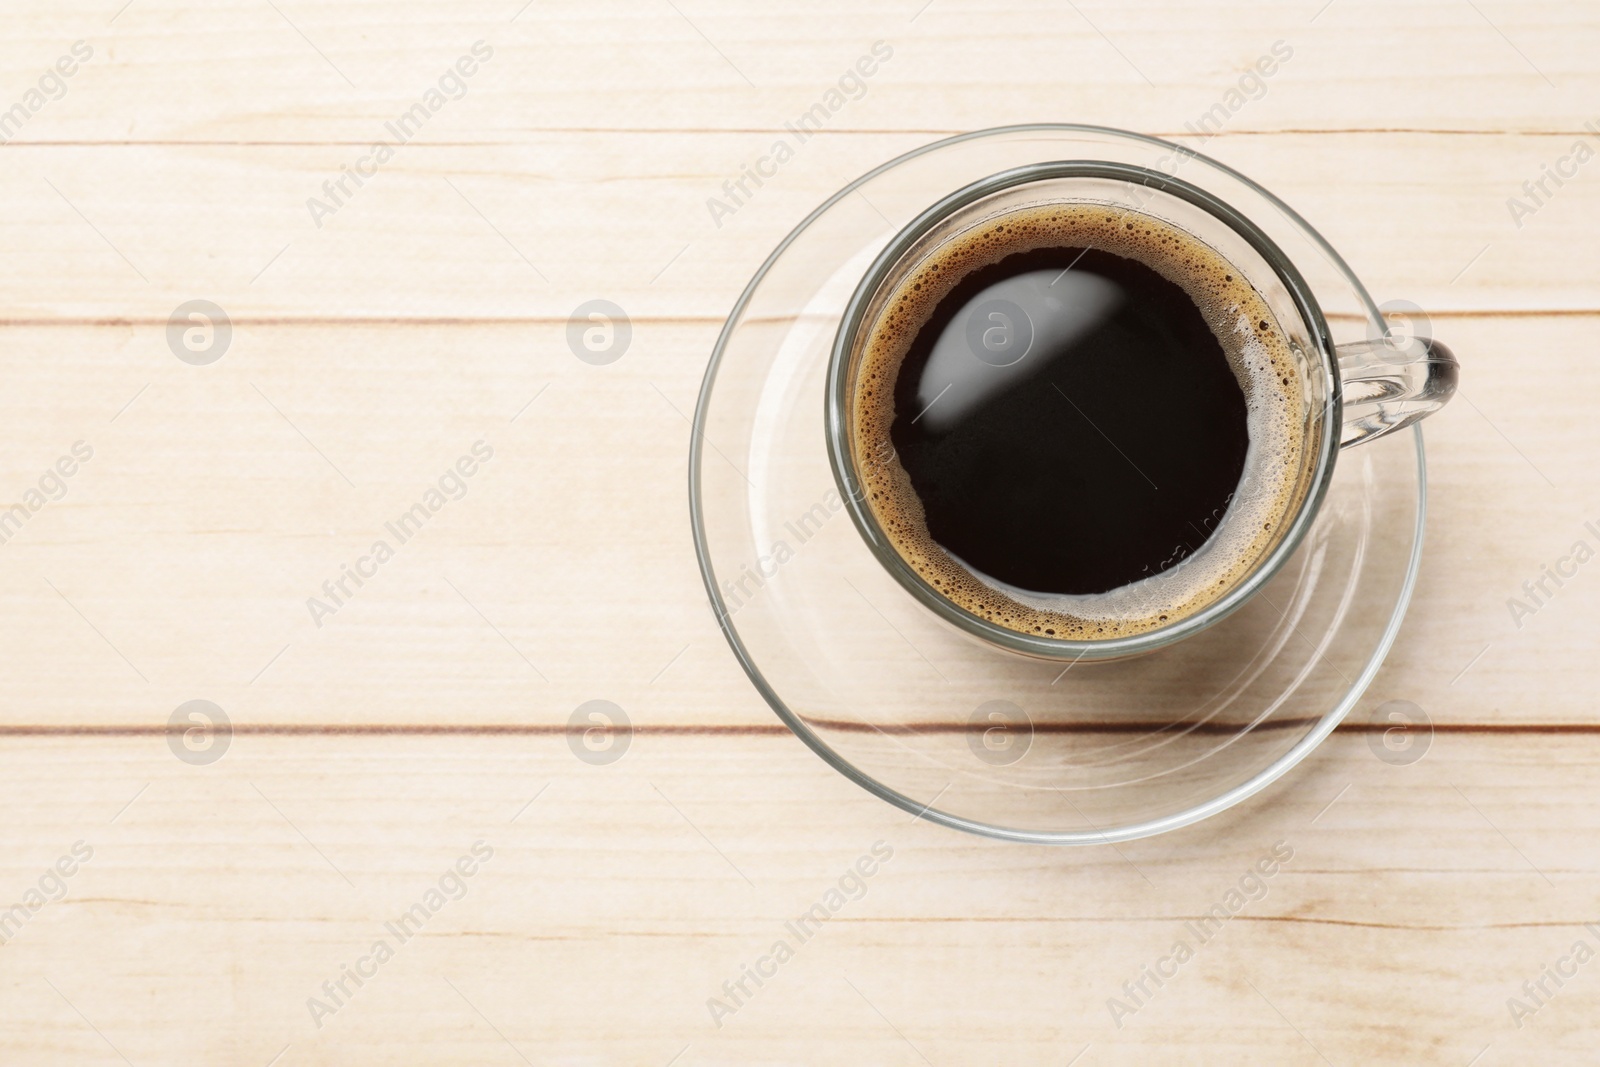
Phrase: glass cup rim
pixel 839 387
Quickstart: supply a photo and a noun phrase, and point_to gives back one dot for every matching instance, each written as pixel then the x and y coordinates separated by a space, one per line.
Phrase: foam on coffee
pixel 1256 349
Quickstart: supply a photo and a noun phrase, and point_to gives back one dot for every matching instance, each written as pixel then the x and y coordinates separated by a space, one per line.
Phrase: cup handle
pixel 1391 382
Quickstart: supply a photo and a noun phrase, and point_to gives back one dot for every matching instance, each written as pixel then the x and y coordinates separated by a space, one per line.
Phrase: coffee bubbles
pixel 1095 420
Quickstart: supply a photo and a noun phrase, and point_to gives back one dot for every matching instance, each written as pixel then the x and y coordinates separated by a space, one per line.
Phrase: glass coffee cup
pixel 1342 396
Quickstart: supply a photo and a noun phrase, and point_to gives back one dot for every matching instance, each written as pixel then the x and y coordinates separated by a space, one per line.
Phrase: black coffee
pixel 1118 435
pixel 1077 421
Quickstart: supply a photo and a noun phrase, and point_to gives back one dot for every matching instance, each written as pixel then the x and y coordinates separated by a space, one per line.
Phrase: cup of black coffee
pixel 1081 410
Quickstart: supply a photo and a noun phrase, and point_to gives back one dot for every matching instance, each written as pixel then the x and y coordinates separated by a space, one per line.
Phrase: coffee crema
pixel 1077 421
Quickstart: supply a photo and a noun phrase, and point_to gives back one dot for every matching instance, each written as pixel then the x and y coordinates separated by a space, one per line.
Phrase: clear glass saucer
pixel 956 731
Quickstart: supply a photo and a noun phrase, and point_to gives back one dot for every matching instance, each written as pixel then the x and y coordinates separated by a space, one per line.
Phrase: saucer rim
pixel 1133 831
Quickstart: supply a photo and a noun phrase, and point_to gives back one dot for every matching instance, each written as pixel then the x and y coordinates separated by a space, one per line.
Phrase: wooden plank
pixel 218 899
pixel 528 231
pixel 194 538
pixel 240 71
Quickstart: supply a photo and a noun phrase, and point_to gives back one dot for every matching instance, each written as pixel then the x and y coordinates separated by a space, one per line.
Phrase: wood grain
pixel 605 920
pixel 428 314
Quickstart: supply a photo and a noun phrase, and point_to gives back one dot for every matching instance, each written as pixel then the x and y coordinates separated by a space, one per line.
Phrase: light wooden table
pixel 209 903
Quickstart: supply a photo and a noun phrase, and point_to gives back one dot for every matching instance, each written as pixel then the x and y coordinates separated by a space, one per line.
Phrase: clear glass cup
pixel 1401 379
pixel 964 732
